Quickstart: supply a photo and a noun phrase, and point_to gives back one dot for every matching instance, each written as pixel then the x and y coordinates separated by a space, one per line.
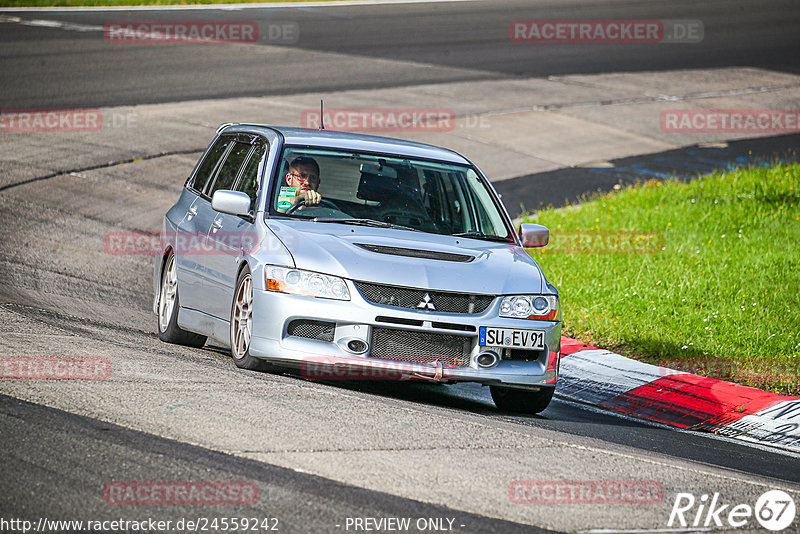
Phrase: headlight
pixel 298 282
pixel 544 307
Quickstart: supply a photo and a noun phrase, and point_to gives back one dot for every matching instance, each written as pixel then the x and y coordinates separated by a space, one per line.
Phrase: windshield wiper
pixel 481 235
pixel 365 222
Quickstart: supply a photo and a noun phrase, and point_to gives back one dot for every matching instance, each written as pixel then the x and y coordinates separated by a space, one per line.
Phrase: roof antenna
pixel 321 119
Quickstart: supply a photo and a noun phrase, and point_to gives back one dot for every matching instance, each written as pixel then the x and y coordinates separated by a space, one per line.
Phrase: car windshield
pixel 335 186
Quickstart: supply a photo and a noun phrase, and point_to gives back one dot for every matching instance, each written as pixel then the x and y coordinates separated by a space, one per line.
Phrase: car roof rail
pixel 225 125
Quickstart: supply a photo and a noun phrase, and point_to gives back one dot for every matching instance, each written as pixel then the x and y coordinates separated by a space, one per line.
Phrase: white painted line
pixel 70 26
pixel 234 7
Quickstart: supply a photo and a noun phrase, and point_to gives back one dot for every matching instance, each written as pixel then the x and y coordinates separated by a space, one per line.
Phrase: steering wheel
pixel 302 202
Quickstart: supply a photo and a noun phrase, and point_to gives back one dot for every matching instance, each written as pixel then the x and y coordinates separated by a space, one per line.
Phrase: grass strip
pixel 701 276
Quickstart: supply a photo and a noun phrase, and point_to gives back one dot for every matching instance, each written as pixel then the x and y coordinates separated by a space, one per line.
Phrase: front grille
pixel 420 347
pixel 403 297
pixel 321 330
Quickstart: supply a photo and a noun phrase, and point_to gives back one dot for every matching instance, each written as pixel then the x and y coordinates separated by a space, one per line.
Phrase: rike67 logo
pixel 774 510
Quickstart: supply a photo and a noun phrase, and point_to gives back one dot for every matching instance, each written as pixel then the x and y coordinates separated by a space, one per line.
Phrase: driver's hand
pixel 310 196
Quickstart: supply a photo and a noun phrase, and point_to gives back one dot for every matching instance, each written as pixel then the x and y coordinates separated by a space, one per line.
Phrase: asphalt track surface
pixel 44 437
pixel 55 461
pixel 49 68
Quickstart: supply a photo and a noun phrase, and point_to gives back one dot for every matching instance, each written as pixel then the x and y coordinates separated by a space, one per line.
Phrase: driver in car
pixel 302 183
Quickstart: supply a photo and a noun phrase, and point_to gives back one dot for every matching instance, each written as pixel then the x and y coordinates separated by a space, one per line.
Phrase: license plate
pixel 509 337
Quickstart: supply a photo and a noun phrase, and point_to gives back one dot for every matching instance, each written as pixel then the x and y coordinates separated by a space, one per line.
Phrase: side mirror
pixel 533 235
pixel 231 202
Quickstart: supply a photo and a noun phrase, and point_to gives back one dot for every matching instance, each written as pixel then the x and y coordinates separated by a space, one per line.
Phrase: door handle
pixel 217 224
pixel 193 211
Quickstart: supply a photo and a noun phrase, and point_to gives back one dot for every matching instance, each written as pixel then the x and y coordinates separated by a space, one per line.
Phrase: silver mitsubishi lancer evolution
pixel 356 257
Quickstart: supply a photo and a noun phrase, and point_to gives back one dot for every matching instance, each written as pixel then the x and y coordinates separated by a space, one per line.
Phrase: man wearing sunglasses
pixel 302 183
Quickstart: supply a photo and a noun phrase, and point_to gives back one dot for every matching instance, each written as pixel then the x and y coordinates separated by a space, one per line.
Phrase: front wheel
pixel 242 324
pixel 521 400
pixel 168 304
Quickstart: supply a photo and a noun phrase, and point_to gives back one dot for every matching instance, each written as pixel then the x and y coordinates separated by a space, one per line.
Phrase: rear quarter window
pixel 248 183
pixel 206 169
pixel 229 170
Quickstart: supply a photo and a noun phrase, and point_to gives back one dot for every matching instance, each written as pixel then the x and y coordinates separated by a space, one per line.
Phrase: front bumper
pixel 357 319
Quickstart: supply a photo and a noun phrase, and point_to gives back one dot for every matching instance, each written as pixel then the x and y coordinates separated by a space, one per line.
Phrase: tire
pixel 168 305
pixel 242 325
pixel 521 400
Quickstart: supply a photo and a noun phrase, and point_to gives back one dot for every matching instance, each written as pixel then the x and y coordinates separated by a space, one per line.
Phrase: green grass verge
pixel 81 3
pixel 702 276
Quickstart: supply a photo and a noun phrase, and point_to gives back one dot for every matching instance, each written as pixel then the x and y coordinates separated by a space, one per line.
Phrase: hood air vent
pixel 415 253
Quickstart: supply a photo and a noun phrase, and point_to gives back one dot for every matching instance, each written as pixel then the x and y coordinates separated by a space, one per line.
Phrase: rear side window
pixel 206 169
pixel 230 169
pixel 249 180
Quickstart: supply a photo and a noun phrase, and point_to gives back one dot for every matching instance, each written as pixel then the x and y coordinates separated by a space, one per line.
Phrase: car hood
pixel 338 249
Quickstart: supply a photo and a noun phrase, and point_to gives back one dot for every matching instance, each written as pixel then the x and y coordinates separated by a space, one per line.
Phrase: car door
pixel 228 235
pixel 193 227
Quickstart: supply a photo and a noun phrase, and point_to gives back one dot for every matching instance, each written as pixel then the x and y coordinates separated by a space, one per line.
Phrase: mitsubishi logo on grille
pixel 426 304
